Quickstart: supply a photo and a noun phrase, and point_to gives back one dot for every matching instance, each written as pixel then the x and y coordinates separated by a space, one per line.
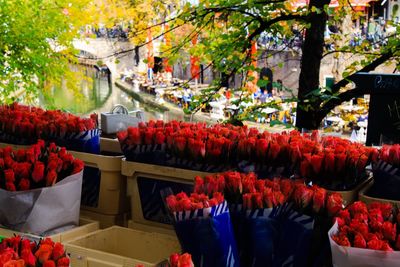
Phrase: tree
pixel 228 27
pixel 36 43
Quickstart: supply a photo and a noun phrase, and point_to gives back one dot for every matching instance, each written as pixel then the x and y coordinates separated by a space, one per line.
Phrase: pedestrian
pixel 371 30
pixel 266 75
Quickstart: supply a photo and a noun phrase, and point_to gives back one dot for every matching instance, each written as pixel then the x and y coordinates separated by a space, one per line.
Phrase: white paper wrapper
pixel 44 210
pixel 358 257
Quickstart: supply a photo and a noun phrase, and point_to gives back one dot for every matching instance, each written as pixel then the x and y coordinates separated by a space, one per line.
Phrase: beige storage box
pixel 124 247
pixel 112 199
pixel 351 195
pixel 85 226
pixel 106 220
pixel 137 172
pixel 110 145
pixel 151 229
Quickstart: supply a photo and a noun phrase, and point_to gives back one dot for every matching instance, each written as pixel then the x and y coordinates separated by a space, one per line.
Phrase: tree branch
pixel 266 24
pixel 373 65
pixel 342 97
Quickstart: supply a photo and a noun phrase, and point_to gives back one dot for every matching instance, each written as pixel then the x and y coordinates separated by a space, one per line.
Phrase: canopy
pixel 334 3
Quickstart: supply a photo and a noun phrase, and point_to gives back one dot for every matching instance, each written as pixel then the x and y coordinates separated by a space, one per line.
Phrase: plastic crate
pixel 148 186
pixel 104 220
pixel 85 226
pixel 151 229
pixel 118 246
pixel 367 199
pixel 14 147
pixel 350 196
pixel 103 188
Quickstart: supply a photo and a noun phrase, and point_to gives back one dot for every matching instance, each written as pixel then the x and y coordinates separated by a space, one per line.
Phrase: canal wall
pixel 197 117
pixel 150 100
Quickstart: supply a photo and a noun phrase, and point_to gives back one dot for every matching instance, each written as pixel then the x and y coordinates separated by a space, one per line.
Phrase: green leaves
pixel 35 41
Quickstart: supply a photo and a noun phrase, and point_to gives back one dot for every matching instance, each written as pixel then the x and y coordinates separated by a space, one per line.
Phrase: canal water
pixel 98 95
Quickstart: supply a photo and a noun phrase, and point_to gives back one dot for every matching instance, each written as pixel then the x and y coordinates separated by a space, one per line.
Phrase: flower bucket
pixel 183 163
pixel 207 234
pixel 150 154
pixel 386 181
pixel 263 170
pixel 43 210
pixel 15 139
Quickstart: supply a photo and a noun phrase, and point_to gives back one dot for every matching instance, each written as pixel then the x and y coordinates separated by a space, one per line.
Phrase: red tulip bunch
pixel 253 193
pixel 183 260
pixel 149 133
pixel 374 226
pixel 35 167
pixel 333 158
pixel 327 161
pixel 390 154
pixel 35 123
pixel 265 148
pixel 194 141
pixel 18 252
pixel 177 260
pixel 182 202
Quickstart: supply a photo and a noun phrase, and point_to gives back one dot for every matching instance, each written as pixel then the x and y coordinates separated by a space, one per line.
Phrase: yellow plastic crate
pixel 118 246
pixel 112 198
pixel 105 220
pixel 85 226
pixel 135 171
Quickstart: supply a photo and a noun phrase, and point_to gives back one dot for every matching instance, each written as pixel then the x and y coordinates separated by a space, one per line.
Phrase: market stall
pixel 226 195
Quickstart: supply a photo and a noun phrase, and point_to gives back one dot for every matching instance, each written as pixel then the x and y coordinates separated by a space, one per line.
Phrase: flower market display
pixel 332 162
pixel 24 125
pixel 49 177
pixel 204 229
pixel 278 216
pixel 19 252
pixel 362 230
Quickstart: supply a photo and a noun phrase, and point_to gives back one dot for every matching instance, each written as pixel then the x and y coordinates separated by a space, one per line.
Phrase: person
pixel 279 87
pixel 364 29
pixel 266 74
pixel 327 38
pixel 371 30
pixel 378 33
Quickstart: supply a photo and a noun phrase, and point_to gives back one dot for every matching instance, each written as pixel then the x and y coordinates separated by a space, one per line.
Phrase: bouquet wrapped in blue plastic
pixel 204 229
pixel 276 222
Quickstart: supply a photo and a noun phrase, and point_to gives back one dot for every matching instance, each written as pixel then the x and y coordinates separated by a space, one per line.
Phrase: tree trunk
pixel 312 52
